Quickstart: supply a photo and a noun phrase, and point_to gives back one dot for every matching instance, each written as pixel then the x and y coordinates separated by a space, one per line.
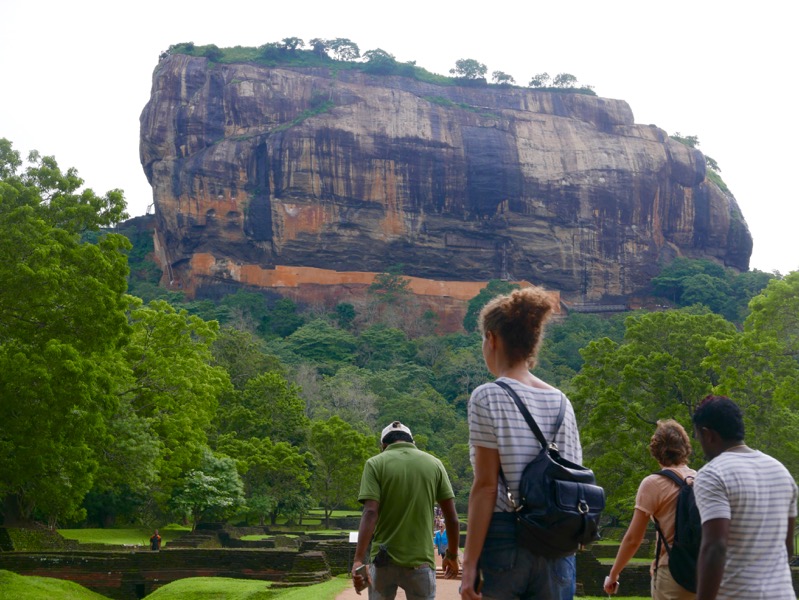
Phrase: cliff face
pixel 265 167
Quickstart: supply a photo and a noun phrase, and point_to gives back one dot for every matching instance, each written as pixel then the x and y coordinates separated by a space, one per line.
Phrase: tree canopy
pixel 62 314
pixel 469 68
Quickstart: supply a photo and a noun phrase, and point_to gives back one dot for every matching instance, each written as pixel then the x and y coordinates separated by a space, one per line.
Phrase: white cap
pixel 395 426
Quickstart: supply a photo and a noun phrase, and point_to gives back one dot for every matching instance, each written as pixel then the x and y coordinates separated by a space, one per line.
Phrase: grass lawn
pixel 17 587
pixel 335 514
pixel 123 536
pixel 222 588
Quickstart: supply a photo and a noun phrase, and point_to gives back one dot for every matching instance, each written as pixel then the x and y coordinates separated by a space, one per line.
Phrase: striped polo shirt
pixel 495 422
pixel 758 495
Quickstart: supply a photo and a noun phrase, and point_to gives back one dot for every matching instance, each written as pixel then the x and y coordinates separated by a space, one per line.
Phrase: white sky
pixel 76 74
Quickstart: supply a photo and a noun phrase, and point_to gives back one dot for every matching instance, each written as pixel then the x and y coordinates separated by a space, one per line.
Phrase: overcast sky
pixel 76 74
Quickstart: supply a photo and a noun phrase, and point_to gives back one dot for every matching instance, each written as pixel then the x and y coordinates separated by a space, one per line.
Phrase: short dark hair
pixel 397 436
pixel 722 415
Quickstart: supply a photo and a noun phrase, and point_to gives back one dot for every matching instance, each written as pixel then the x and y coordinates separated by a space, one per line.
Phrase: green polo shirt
pixel 407 483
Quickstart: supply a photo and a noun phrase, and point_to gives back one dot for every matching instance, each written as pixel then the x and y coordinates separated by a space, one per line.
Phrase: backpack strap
pixel 673 476
pixel 668 474
pixel 529 418
pixel 533 426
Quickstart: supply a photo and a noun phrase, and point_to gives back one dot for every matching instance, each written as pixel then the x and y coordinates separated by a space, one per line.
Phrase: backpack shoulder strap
pixel 532 425
pixel 669 474
pixel 529 418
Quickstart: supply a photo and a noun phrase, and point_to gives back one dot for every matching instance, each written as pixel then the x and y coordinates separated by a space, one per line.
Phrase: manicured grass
pixel 223 588
pixel 335 513
pixel 17 587
pixel 123 536
pixel 323 591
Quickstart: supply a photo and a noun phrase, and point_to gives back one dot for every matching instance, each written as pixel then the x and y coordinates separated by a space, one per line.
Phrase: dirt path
pixel 446 589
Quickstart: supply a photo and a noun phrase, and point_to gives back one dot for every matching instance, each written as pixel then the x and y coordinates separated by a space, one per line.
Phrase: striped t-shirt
pixel 758 495
pixel 495 422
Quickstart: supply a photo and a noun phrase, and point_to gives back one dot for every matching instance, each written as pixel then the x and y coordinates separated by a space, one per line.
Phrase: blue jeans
pixel 511 572
pixel 419 583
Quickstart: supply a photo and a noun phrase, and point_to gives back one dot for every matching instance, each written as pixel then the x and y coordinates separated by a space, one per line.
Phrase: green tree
pixel 775 313
pixel 213 53
pixel 540 80
pixel 244 310
pixel 564 80
pixel 691 141
pixel 323 344
pixel 390 286
pixel 459 371
pixel 344 49
pixel 213 490
pixel 469 68
pixel 459 468
pixel 346 394
pixel 379 62
pixel 283 319
pixel 339 452
pixel 559 359
pixel 345 315
pixel 268 406
pixel 381 347
pixel 292 43
pixel 319 47
pixel 169 381
pixel 243 356
pixel 502 78
pixel 685 282
pixel 275 474
pixel 62 318
pixel 656 372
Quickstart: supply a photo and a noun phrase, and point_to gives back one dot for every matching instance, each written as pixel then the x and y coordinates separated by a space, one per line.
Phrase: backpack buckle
pixel 582 507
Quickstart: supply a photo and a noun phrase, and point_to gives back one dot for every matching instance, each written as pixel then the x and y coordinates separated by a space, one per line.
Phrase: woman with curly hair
pixel 494 565
pixel 657 500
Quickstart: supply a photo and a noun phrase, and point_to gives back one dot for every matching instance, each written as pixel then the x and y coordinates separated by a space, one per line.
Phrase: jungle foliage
pixel 124 403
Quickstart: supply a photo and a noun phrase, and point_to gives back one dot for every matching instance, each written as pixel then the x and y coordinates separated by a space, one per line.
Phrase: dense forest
pixel 123 402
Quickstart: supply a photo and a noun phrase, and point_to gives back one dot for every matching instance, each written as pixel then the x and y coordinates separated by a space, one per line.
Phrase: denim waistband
pixel 503 524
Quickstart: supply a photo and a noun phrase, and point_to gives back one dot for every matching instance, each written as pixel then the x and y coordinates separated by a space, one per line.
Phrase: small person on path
pixel 155 541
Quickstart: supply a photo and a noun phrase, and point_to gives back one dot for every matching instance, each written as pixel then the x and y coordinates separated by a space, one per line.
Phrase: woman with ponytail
pixel 494 565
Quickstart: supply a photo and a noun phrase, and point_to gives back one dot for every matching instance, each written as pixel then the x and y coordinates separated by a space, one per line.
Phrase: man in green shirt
pixel 398 490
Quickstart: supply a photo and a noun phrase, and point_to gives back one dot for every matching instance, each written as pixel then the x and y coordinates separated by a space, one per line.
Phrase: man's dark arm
pixel 789 537
pixel 371 510
pixel 450 562
pixel 712 554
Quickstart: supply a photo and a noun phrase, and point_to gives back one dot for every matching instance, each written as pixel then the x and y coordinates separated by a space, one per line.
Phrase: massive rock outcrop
pixel 255 168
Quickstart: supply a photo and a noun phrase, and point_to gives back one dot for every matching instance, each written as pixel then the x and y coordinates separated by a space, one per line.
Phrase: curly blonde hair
pixel 518 319
pixel 670 444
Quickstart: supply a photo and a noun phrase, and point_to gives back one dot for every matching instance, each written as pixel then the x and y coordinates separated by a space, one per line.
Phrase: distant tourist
pixel 747 501
pixel 398 490
pixel 657 500
pixel 440 540
pixel 155 541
